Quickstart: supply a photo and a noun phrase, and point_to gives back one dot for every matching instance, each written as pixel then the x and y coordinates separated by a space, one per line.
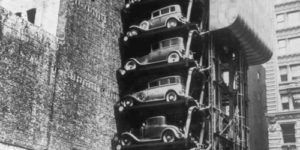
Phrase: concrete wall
pixel 257 108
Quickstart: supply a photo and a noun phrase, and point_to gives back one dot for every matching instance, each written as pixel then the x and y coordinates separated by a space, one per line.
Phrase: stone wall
pixel 27 56
pixel 60 96
pixel 86 85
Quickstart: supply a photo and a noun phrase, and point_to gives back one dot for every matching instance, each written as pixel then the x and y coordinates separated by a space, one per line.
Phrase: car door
pixel 153 90
pixel 164 15
pixel 155 19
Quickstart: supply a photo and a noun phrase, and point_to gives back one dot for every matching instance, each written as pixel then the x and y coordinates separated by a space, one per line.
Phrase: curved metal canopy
pixel 250 22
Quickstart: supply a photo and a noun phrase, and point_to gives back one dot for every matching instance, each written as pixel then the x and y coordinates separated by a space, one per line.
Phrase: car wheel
pixel 171 96
pixel 168 136
pixel 173 57
pixel 130 65
pixel 172 23
pixel 132 32
pixel 128 102
pixel 126 141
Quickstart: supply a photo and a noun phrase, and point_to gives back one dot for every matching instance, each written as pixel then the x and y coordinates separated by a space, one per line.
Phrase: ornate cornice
pixel 288 32
pixel 287 115
pixel 289 59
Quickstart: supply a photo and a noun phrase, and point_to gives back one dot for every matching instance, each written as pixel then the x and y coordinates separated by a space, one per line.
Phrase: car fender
pixel 170 91
pixel 176 51
pixel 131 135
pixel 175 131
pixel 134 59
pixel 172 17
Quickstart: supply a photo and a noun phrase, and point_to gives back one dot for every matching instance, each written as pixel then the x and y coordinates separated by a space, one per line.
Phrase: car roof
pixel 176 76
pixel 156 117
pixel 176 5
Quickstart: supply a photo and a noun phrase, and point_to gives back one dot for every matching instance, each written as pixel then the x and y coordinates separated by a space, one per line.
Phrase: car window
pixel 172 80
pixel 155 46
pixel 165 43
pixel 165 11
pixel 175 41
pixel 164 81
pixel 153 84
pixel 155 14
pixel 172 9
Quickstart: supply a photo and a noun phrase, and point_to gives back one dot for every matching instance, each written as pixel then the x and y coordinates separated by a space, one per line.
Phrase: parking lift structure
pixel 225 37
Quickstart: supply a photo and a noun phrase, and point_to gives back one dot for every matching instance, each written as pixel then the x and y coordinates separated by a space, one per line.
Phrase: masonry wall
pixel 27 55
pixel 85 85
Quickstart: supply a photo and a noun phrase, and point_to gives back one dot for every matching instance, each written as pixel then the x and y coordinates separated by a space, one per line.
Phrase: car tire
pixel 171 96
pixel 126 140
pixel 130 65
pixel 128 102
pixel 171 23
pixel 173 57
pixel 168 136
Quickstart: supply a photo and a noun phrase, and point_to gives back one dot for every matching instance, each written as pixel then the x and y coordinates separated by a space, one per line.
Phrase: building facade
pixel 284 119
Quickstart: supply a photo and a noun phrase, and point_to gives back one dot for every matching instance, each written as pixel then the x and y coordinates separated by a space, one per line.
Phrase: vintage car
pixel 166 88
pixel 154 129
pixel 168 50
pixel 170 16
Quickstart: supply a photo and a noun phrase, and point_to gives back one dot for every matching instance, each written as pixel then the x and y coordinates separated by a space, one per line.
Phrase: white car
pixel 167 88
pixel 170 16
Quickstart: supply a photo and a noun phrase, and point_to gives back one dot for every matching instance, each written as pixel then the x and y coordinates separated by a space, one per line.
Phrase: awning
pixel 250 22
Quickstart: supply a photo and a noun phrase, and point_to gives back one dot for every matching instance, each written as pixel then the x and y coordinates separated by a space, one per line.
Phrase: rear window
pixel 175 41
pixel 166 43
pixel 153 84
pixel 155 14
pixel 172 8
pixel 173 80
pixel 165 11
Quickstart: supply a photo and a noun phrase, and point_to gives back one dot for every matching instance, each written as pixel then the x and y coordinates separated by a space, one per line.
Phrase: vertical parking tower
pixel 183 82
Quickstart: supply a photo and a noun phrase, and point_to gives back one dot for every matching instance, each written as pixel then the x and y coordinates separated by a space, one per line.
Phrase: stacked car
pixel 159 100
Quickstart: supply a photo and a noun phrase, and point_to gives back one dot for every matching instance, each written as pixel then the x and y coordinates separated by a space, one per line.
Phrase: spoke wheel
pixel 168 136
pixel 126 141
pixel 171 96
pixel 172 23
pixel 128 102
pixel 173 57
pixel 130 65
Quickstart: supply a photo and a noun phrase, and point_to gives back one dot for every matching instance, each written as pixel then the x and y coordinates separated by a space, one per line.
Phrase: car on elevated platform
pixel 154 129
pixel 168 88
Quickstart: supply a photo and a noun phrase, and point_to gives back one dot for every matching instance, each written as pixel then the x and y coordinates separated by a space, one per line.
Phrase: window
pixel 293 19
pixel 164 81
pixel 165 11
pixel 294 45
pixel 31 15
pixel 283 74
pixel 166 43
pixel 282 47
pixel 288 133
pixel 155 46
pixel 18 14
pixel 172 80
pixel 295 72
pixel 172 9
pixel 285 102
pixel 296 100
pixel 175 41
pixel 280 21
pixel 155 14
pixel 153 84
